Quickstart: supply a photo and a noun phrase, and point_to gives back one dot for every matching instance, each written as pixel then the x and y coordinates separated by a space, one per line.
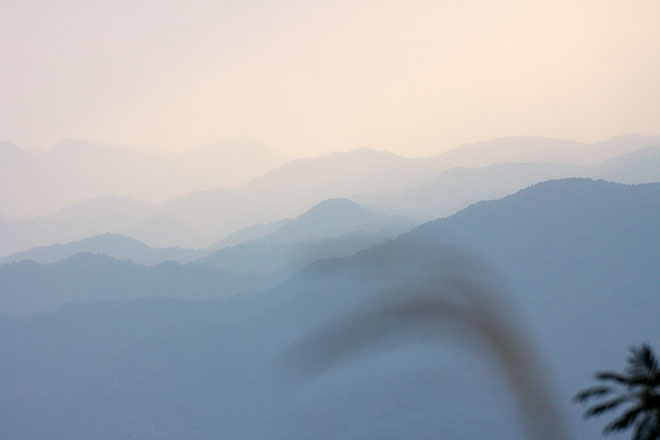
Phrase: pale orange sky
pixel 309 77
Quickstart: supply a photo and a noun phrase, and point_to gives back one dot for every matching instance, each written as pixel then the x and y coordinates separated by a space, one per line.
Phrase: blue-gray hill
pixel 28 287
pixel 579 260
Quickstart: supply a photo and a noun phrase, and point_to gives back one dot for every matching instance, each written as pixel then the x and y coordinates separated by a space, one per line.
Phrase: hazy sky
pixel 306 77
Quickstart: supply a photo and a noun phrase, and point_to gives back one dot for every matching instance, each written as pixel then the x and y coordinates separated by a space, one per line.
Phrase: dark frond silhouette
pixel 639 386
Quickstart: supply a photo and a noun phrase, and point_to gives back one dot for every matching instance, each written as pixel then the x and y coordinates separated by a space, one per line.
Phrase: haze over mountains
pixel 528 149
pixel 458 187
pixel 575 259
pixel 109 244
pixel 444 224
pixel 417 186
pixel 330 218
pixel 37 184
pixel 113 265
pixel 28 287
pixel 333 228
pixel 185 317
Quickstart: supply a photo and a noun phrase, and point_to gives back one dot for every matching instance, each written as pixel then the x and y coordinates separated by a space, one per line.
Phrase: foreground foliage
pixel 638 387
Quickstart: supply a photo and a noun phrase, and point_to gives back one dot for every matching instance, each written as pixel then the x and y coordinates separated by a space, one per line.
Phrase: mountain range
pixel 382 181
pixel 570 265
pixel 112 266
pixel 29 287
pixel 112 245
pixel 457 188
pixel 39 184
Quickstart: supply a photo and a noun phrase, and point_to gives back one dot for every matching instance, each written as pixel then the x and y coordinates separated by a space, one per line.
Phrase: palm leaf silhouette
pixel 639 385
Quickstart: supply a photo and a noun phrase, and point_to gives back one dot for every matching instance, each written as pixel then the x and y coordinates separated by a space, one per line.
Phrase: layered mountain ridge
pixel 425 188
pixel 571 264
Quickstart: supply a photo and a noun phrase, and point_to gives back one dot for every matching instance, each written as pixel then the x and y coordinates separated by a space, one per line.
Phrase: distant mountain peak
pixel 334 207
pixel 331 218
pixel 110 237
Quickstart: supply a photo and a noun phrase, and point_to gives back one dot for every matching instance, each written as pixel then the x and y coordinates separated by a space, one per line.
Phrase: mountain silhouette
pixel 457 188
pixel 332 228
pixel 575 258
pixel 113 245
pixel 332 218
pixel 530 149
pixel 641 166
pixel 28 287
pixel 249 233
pixel 286 258
pixel 285 192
